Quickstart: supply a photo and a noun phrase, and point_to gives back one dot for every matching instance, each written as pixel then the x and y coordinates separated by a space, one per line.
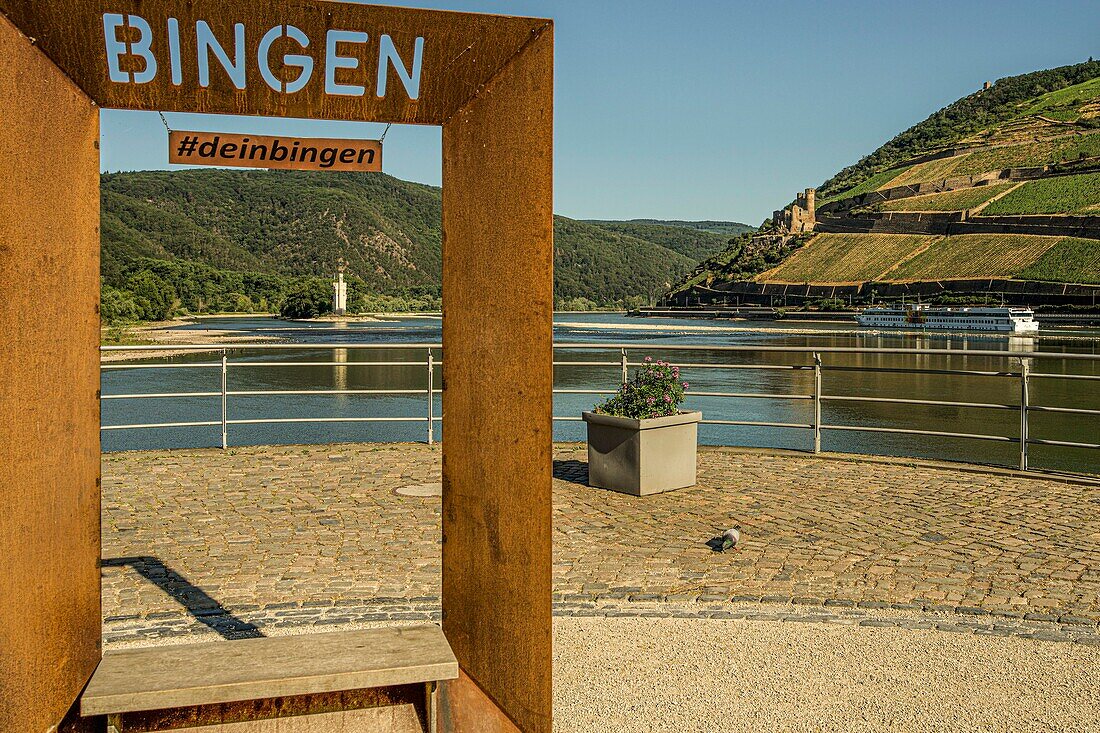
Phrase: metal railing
pixel 817 397
pixel 225 393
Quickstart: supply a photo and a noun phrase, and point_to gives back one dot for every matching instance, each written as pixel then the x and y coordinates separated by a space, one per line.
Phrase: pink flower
pixel 649 359
pixel 685 385
pixel 668 398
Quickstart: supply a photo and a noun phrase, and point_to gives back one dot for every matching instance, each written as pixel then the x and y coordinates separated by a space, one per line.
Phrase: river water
pixel 645 337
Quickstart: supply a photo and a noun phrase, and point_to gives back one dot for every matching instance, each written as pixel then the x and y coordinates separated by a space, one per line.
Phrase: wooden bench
pixel 345 682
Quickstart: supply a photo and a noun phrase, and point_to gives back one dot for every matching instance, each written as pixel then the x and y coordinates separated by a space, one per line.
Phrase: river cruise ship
pixel 927 318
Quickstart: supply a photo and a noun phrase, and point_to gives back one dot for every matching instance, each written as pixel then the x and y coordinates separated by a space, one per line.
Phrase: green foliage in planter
pixel 654 391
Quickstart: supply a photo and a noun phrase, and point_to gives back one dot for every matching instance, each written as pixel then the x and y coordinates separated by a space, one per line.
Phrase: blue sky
pixel 704 109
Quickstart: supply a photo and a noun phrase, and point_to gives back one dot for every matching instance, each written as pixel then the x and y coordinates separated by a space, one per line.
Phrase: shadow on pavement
pixel 573 471
pixel 197 602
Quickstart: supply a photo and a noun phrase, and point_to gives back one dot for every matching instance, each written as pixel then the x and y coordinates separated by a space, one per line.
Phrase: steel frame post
pixel 225 400
pixel 817 402
pixel 1025 372
pixel 431 397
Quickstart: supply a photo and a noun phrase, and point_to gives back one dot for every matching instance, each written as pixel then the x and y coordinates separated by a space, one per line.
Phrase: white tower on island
pixel 340 289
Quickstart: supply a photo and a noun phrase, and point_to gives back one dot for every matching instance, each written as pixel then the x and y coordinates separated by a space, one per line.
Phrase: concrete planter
pixel 642 457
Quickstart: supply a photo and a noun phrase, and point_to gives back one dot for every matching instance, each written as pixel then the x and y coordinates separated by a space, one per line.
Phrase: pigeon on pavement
pixel 730 538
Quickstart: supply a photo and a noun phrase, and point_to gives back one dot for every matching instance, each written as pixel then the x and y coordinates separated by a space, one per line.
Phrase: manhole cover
pixel 420 490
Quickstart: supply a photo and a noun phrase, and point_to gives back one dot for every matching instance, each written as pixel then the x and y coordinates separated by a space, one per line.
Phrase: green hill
pixel 695 240
pixel 950 198
pixel 725 228
pixel 979 116
pixel 216 240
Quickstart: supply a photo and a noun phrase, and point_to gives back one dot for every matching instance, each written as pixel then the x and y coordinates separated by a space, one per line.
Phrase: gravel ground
pixel 650 674
pixel 725 676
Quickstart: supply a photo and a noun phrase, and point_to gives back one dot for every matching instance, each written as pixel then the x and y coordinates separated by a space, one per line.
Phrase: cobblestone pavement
pixel 230 542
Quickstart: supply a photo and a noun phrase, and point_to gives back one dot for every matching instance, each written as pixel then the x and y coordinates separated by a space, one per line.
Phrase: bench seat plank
pixel 162 677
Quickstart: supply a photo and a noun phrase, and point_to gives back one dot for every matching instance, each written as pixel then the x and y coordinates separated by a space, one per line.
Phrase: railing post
pixel 817 402
pixel 225 421
pixel 626 376
pixel 431 405
pixel 1025 370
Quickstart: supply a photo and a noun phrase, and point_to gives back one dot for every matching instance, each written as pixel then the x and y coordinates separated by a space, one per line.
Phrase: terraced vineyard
pixel 1032 154
pixel 1047 120
pixel 845 258
pixel 965 198
pixel 1066 148
pixel 852 258
pixel 1068 104
pixel 974 256
pixel 1071 260
pixel 932 170
pixel 1061 195
pixel 874 183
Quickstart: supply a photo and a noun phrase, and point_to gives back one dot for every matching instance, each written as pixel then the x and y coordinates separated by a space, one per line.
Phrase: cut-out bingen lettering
pixel 343 52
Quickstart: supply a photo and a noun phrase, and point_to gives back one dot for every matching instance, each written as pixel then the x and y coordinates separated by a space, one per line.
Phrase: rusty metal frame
pixel 488 81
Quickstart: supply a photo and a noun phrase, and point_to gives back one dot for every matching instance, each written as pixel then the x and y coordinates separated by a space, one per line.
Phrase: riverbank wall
pixel 775 295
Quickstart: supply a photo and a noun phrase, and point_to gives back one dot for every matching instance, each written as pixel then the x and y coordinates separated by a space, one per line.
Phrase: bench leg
pixel 114 723
pixel 430 706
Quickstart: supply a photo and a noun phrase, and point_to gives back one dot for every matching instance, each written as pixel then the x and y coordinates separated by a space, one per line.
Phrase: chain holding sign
pixel 279 152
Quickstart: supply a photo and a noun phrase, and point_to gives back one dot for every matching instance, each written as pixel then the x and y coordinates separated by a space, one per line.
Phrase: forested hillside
pixel 726 228
pixel 200 241
pixel 688 238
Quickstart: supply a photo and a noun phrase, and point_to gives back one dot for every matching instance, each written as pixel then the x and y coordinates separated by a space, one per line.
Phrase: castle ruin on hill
pixel 798 218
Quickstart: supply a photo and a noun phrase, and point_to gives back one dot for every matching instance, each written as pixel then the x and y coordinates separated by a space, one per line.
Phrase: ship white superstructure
pixel 929 318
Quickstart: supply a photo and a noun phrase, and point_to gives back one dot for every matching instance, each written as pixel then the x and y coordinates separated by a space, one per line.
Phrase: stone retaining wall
pixel 956 222
pixel 1087 165
pixel 1015 292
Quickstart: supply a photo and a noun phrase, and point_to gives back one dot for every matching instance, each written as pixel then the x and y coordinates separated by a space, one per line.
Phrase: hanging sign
pixel 281 152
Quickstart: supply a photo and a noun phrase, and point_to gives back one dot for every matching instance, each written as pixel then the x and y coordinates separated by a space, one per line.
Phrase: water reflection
pixel 340 372
pixel 844 375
